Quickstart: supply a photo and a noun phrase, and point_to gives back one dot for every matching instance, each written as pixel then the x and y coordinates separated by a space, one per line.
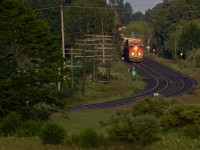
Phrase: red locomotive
pixel 133 50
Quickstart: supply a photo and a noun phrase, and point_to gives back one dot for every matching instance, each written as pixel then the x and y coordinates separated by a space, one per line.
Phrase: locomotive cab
pixel 135 53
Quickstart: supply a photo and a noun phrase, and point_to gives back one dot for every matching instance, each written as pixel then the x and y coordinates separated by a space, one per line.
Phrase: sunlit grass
pixel 176 141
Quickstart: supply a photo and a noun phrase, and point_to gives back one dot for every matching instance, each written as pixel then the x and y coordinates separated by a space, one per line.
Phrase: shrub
pixel 181 115
pixel 145 129
pixel 140 130
pixel 34 114
pixel 154 106
pixel 51 133
pixel 11 123
pixel 89 138
pixel 119 126
pixel 29 128
pixel 192 131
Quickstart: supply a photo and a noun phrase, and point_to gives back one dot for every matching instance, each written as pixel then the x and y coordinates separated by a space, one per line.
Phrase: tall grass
pixel 176 141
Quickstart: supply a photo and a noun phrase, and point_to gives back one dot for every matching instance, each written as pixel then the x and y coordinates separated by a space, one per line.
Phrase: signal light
pixel 133 72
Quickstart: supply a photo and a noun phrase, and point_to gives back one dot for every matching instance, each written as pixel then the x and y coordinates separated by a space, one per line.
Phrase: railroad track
pixel 160 80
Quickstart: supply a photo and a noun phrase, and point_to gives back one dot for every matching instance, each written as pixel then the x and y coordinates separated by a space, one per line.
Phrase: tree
pixel 138 29
pixel 29 59
pixel 49 10
pixel 137 16
pixel 189 37
pixel 164 19
pixel 128 12
pixel 99 19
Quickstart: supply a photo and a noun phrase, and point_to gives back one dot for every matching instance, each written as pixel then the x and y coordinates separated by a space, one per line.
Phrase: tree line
pixel 175 27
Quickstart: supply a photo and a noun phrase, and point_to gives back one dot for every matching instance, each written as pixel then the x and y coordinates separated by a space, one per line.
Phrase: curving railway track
pixel 160 79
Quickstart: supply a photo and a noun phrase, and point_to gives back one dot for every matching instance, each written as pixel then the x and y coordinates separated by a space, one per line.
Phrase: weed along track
pixel 160 80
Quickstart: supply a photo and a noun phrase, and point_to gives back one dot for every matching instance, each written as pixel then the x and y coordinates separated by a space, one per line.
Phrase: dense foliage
pixel 139 130
pixel 88 138
pixel 153 106
pixel 52 133
pixel 178 116
pixel 175 27
pixel 125 10
pixel 29 60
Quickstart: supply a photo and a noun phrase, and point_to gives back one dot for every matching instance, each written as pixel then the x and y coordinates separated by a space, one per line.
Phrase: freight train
pixel 133 50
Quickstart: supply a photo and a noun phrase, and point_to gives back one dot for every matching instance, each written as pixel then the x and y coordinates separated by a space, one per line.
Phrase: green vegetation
pixel 51 133
pixel 30 58
pixel 11 124
pixel 138 29
pixel 176 141
pixel 155 107
pixel 89 138
pixel 174 27
pixel 139 130
pixel 27 61
pixel 101 125
pixel 105 91
pixel 180 115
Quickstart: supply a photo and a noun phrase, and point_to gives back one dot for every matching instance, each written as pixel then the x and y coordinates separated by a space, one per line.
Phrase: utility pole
pixel 83 87
pixel 63 42
pixel 72 69
pixel 175 45
pixel 63 34
pixel 94 67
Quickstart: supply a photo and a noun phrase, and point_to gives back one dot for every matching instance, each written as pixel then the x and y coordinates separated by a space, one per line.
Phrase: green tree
pixel 128 12
pixel 138 29
pixel 137 16
pixel 189 37
pixel 28 56
pixel 164 19
pixel 98 19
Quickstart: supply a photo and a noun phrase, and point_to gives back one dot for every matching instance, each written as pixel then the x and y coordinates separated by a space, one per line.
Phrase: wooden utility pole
pixel 83 87
pixel 94 67
pixel 72 69
pixel 63 42
pixel 84 50
pixel 63 34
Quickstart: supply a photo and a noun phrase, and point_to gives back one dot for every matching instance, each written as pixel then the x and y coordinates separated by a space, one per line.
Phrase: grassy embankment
pixel 126 85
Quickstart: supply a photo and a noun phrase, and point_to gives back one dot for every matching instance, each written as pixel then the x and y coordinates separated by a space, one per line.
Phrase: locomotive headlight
pixel 136 48
pixel 132 53
pixel 139 54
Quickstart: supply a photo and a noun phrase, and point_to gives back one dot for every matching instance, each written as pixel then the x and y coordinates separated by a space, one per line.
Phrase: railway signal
pixel 133 71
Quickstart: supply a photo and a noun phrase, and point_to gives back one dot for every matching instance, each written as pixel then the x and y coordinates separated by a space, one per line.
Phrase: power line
pixel 76 5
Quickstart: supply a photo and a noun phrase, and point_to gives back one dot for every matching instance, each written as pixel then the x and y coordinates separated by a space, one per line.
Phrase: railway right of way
pixel 160 79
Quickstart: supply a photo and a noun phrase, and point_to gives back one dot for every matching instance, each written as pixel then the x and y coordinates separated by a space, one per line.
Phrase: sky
pixel 143 5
